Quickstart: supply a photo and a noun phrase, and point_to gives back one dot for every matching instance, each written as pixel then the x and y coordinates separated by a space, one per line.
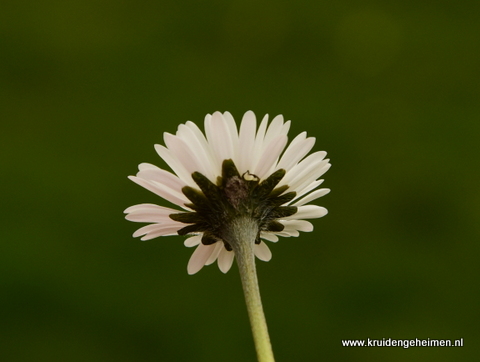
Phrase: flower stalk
pixel 242 235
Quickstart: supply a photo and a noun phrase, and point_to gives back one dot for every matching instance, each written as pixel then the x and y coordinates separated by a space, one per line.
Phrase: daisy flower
pixel 234 188
pixel 227 173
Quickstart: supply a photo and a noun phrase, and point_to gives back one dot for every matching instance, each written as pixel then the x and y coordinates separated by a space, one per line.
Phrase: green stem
pixel 242 235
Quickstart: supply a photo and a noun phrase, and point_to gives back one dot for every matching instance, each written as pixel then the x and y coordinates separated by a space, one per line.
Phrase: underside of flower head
pixel 228 174
pixel 216 206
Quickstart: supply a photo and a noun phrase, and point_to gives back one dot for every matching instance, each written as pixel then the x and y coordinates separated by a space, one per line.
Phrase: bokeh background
pixel 389 89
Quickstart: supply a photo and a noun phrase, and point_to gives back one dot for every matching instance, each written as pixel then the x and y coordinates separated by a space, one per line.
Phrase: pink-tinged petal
pixel 147 166
pixel 246 142
pixel 155 174
pixel 140 208
pixel 201 137
pixel 145 230
pixel 199 258
pixel 262 251
pixel 218 248
pixel 162 191
pixel 161 176
pixel 201 150
pixel 193 241
pixel 308 212
pixel 174 164
pixel 164 230
pixel 312 196
pixel 168 191
pixel 147 217
pixel 158 230
pixel 184 154
pixel 225 260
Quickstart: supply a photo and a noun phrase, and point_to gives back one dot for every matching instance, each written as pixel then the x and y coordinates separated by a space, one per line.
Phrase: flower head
pixel 229 173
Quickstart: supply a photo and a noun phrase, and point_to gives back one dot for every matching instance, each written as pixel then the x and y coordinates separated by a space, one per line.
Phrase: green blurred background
pixel 389 89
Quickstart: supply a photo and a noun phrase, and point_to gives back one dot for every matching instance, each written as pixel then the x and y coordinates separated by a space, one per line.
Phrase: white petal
pixel 146 166
pixel 199 257
pixel 309 212
pixel 286 233
pixel 312 196
pixel 154 230
pixel 231 123
pixel 148 217
pixel 193 241
pixel 285 128
pixel 161 176
pixel 307 189
pixel 218 135
pixel 162 191
pixel 201 145
pixel 295 152
pixel 184 154
pixel 313 175
pixel 270 155
pixel 246 142
pixel 269 236
pixel 309 174
pixel 141 208
pixel 262 251
pixel 225 260
pixel 145 230
pixel 207 164
pixel 198 133
pixel 174 164
pixel 300 225
pixel 258 146
pixel 302 167
pixel 232 127
pixel 200 137
pixel 274 129
pixel 164 230
pixel 218 248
